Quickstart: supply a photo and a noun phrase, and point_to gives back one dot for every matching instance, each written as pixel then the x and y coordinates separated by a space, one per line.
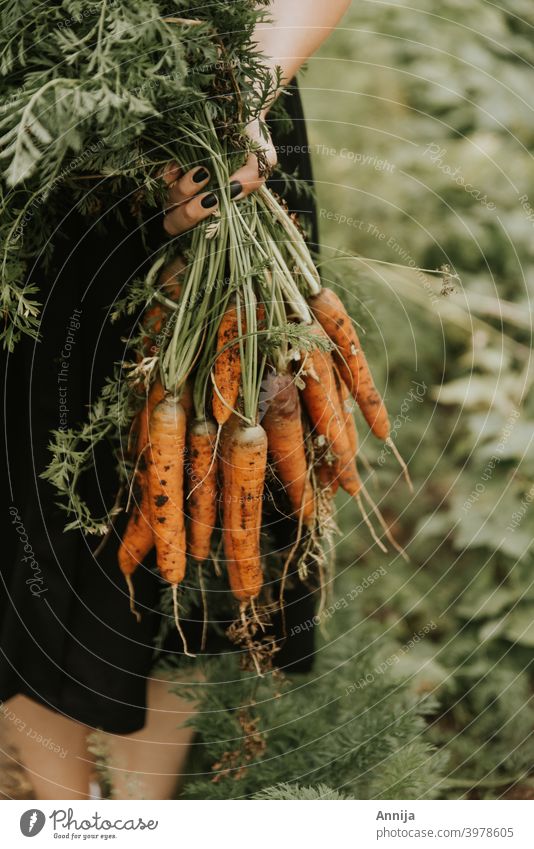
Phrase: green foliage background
pixel 454 76
pixel 421 130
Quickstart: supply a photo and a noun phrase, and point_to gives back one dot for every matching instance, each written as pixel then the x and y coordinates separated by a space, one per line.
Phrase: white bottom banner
pixel 358 824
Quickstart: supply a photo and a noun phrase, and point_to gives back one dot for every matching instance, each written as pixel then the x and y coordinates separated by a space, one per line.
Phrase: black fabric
pixel 67 637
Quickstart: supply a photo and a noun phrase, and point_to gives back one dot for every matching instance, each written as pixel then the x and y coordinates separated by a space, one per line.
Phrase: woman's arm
pixel 295 31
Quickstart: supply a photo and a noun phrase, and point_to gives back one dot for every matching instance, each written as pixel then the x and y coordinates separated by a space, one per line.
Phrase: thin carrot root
pixel 255 615
pixel 177 620
pixel 204 608
pixel 384 525
pixel 401 462
pixel 243 616
pixel 303 571
pixel 367 521
pixel 133 609
pixel 215 560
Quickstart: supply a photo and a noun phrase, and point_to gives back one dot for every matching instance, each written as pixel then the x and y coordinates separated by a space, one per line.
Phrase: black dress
pixel 67 637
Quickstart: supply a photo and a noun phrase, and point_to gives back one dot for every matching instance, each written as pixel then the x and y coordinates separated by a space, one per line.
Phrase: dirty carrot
pixel 320 397
pixel 243 464
pixel 138 538
pixel 346 403
pixel 137 541
pixel 155 395
pixel 327 474
pixel 202 487
pixel 165 470
pixel 285 436
pixel 349 478
pixel 351 360
pixel 226 372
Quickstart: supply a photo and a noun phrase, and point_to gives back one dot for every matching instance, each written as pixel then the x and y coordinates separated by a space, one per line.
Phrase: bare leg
pixel 149 763
pixel 51 747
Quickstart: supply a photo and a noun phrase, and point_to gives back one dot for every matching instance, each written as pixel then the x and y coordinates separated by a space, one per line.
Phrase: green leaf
pixel 519 625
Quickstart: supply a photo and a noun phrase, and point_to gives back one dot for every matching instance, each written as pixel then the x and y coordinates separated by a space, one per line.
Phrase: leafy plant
pixel 436 166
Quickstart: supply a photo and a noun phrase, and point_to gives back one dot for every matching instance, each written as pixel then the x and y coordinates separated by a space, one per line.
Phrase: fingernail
pixel 209 201
pixel 235 189
pixel 200 175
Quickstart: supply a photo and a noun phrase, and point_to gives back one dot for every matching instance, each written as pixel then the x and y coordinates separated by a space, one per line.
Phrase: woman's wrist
pixel 296 29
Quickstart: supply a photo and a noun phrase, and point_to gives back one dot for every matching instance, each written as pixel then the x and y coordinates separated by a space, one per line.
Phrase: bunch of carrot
pixel 201 454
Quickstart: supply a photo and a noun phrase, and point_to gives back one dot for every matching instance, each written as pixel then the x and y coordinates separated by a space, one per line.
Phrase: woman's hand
pixel 293 33
pixel 188 202
pixel 248 177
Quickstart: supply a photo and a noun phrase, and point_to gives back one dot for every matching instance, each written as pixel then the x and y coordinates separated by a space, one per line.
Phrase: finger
pixel 246 179
pixel 186 215
pixel 188 185
pixel 170 173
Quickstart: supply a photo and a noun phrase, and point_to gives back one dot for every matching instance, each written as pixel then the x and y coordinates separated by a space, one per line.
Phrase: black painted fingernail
pixel 200 175
pixel 235 189
pixel 209 201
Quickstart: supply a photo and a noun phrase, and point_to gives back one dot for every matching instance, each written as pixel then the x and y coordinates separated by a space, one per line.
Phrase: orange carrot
pixel 351 360
pixel 328 475
pixel 152 322
pixel 348 473
pixel 227 368
pixel 155 395
pixel 320 396
pixel 349 477
pixel 243 462
pixel 285 436
pixel 138 539
pixel 202 484
pixel 345 401
pixel 168 279
pixel 165 460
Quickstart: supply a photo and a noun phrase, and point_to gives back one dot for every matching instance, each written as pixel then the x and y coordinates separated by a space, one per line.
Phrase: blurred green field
pixel 420 123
